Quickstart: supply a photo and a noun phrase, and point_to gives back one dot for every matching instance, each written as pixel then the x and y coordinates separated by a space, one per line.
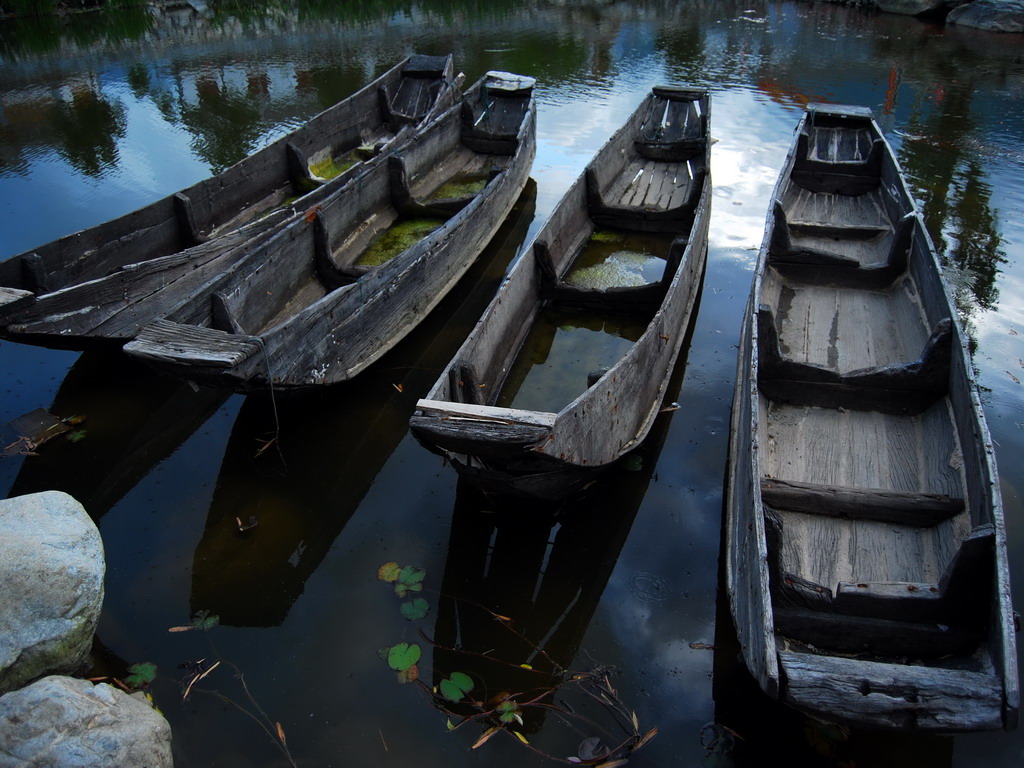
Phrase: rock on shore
pixel 992 15
pixel 61 722
pixel 51 572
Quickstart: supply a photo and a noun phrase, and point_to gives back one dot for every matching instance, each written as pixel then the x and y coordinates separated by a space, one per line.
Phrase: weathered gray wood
pixel 13 300
pixel 892 695
pixel 871 637
pixel 859 524
pixel 166 342
pixel 614 412
pixel 898 387
pixel 210 209
pixel 121 303
pixel 323 317
pixel 746 537
pixel 882 505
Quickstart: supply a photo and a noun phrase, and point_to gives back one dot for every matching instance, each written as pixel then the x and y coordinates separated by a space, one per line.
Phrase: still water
pixel 102 113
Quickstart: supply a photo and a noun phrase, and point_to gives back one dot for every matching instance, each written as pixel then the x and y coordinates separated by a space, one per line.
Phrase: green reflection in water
pixel 563 347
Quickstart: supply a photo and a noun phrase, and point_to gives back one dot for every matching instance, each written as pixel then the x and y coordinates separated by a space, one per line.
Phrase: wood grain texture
pixel 617 408
pixel 861 474
pixel 890 695
pixel 99 280
pixel 316 334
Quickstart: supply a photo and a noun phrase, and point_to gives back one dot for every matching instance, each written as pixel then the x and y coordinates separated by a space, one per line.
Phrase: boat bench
pixel 822 266
pixel 887 618
pixel 166 341
pixel 14 300
pixel 838 159
pixel 905 388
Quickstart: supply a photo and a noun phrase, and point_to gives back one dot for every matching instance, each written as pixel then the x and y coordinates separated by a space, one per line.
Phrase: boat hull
pixel 624 192
pixel 303 310
pixel 99 287
pixel 865 546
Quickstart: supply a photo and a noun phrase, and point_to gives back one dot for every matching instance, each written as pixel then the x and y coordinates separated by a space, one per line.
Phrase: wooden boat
pixel 323 298
pixel 866 553
pixel 645 198
pixel 101 283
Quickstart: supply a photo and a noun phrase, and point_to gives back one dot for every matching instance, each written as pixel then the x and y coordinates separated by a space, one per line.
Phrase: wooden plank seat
pixel 465 426
pixel 659 199
pixel 14 300
pixel 415 92
pixel 674 128
pixel 886 618
pixel 840 157
pixel 193 345
pixel 906 387
pixel 822 265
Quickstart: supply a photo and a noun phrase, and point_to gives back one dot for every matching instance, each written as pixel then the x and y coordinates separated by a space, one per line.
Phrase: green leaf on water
pixel 454 688
pixel 141 674
pixel 633 463
pixel 78 434
pixel 415 609
pixel 205 620
pixel 411 575
pixel 403 656
pixel 389 572
pixel 403 589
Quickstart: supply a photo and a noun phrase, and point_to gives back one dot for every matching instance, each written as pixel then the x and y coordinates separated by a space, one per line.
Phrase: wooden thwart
pixel 866 551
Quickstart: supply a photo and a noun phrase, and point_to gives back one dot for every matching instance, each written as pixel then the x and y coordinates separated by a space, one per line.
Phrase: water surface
pixel 103 113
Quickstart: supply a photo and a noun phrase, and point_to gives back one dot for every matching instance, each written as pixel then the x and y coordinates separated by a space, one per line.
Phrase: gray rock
pixel 60 722
pixel 51 586
pixel 909 7
pixel 992 15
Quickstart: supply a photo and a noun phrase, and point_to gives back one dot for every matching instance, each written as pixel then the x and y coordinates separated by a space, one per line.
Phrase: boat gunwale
pixel 526 273
pixel 761 653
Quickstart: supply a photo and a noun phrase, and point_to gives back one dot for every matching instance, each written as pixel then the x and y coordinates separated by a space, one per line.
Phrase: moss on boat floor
pixel 460 185
pixel 400 236
pixel 619 260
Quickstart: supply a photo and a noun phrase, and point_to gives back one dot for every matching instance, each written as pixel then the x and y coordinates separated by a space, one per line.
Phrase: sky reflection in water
pixel 349 490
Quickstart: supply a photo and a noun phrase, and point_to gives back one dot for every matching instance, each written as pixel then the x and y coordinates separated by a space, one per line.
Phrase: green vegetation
pixel 397 238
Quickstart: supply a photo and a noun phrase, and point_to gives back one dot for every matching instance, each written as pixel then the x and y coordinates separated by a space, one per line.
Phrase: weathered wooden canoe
pixel 323 298
pixel 866 554
pixel 107 282
pixel 642 205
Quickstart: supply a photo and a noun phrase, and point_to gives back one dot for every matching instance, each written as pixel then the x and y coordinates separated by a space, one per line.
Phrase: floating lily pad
pixel 141 674
pixel 633 462
pixel 389 572
pixel 454 688
pixel 403 656
pixel 415 609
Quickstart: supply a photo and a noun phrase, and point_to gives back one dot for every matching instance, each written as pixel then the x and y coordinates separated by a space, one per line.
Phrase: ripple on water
pixel 648 588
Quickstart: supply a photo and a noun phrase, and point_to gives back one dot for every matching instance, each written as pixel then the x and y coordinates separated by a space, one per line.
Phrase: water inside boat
pixel 562 349
pixel 613 259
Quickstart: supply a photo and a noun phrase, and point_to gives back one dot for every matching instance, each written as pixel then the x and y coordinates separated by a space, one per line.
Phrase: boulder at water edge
pixel 993 15
pixel 51 586
pixel 909 7
pixel 61 722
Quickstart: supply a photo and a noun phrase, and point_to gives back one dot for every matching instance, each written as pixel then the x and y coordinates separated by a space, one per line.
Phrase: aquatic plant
pixel 505 712
pixel 399 237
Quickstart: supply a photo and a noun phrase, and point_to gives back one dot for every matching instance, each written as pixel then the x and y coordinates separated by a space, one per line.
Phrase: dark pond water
pixel 102 113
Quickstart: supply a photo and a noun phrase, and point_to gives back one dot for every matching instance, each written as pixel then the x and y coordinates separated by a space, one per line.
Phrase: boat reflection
pixel 132 419
pixel 280 502
pixel 522 582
